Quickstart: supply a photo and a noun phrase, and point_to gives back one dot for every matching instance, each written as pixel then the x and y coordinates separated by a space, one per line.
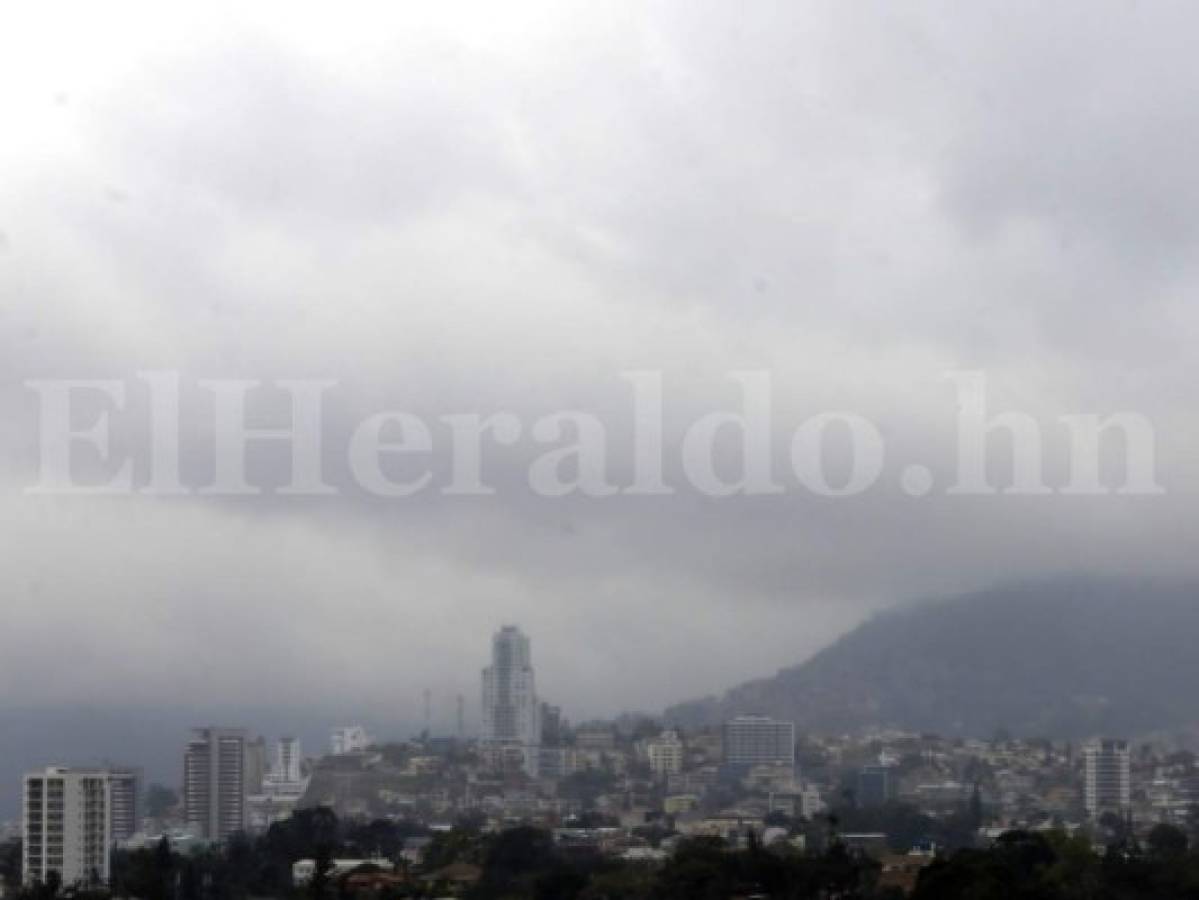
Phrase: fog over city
pixel 471 209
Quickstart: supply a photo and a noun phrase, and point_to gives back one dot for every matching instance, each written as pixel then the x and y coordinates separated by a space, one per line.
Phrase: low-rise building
pixel 665 754
pixel 349 739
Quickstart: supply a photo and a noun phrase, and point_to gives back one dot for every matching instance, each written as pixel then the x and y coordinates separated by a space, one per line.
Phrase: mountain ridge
pixel 1063 658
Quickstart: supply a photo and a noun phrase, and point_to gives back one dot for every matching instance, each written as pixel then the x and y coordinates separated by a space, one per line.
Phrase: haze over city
pixel 818 362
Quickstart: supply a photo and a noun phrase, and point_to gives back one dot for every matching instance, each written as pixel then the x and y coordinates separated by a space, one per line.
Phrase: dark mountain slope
pixel 1062 658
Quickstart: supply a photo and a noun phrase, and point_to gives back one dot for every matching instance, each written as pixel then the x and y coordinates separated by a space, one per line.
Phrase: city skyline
pixel 557 449
pixel 744 776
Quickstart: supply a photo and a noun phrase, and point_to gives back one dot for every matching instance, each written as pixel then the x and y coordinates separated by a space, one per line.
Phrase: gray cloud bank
pixel 504 207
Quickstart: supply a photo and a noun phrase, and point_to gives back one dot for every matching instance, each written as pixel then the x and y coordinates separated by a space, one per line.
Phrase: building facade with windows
pixel 758 740
pixel 287 759
pixel 67 827
pixel 511 713
pixel 1107 786
pixel 124 788
pixel 665 754
pixel 214 782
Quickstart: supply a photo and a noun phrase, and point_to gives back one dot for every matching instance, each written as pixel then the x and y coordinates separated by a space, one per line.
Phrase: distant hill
pixel 1065 658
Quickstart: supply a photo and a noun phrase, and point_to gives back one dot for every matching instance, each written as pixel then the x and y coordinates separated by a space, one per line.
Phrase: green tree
pixel 699 870
pixel 318 887
pixel 1165 842
pixel 146 873
pixel 455 845
pixel 620 883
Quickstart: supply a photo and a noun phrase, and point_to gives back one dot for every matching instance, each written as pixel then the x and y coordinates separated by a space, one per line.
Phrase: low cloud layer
pixel 504 208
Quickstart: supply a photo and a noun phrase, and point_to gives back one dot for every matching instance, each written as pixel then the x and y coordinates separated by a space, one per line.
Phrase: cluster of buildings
pixel 530 764
pixel 73 817
pixel 230 784
pixel 629 786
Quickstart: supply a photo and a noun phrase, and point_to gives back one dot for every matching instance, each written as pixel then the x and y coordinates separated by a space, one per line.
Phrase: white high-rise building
pixel 1107 782
pixel 287 760
pixel 511 714
pixel 285 782
pixel 67 826
pixel 349 739
pixel 214 782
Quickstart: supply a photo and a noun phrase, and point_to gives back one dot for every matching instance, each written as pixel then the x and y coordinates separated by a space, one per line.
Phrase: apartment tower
pixel 67 827
pixel 214 782
pixel 1107 777
pixel 511 714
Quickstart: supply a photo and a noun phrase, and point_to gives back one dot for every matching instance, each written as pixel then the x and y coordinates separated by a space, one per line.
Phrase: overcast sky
pixel 451 208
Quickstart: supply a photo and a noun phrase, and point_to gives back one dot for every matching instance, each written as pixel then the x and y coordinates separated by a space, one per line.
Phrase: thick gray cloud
pixel 503 208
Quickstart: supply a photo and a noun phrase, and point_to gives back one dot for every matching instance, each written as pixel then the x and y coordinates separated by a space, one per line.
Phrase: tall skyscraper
pixel 67 826
pixel 214 782
pixel 511 720
pixel 758 740
pixel 1107 781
